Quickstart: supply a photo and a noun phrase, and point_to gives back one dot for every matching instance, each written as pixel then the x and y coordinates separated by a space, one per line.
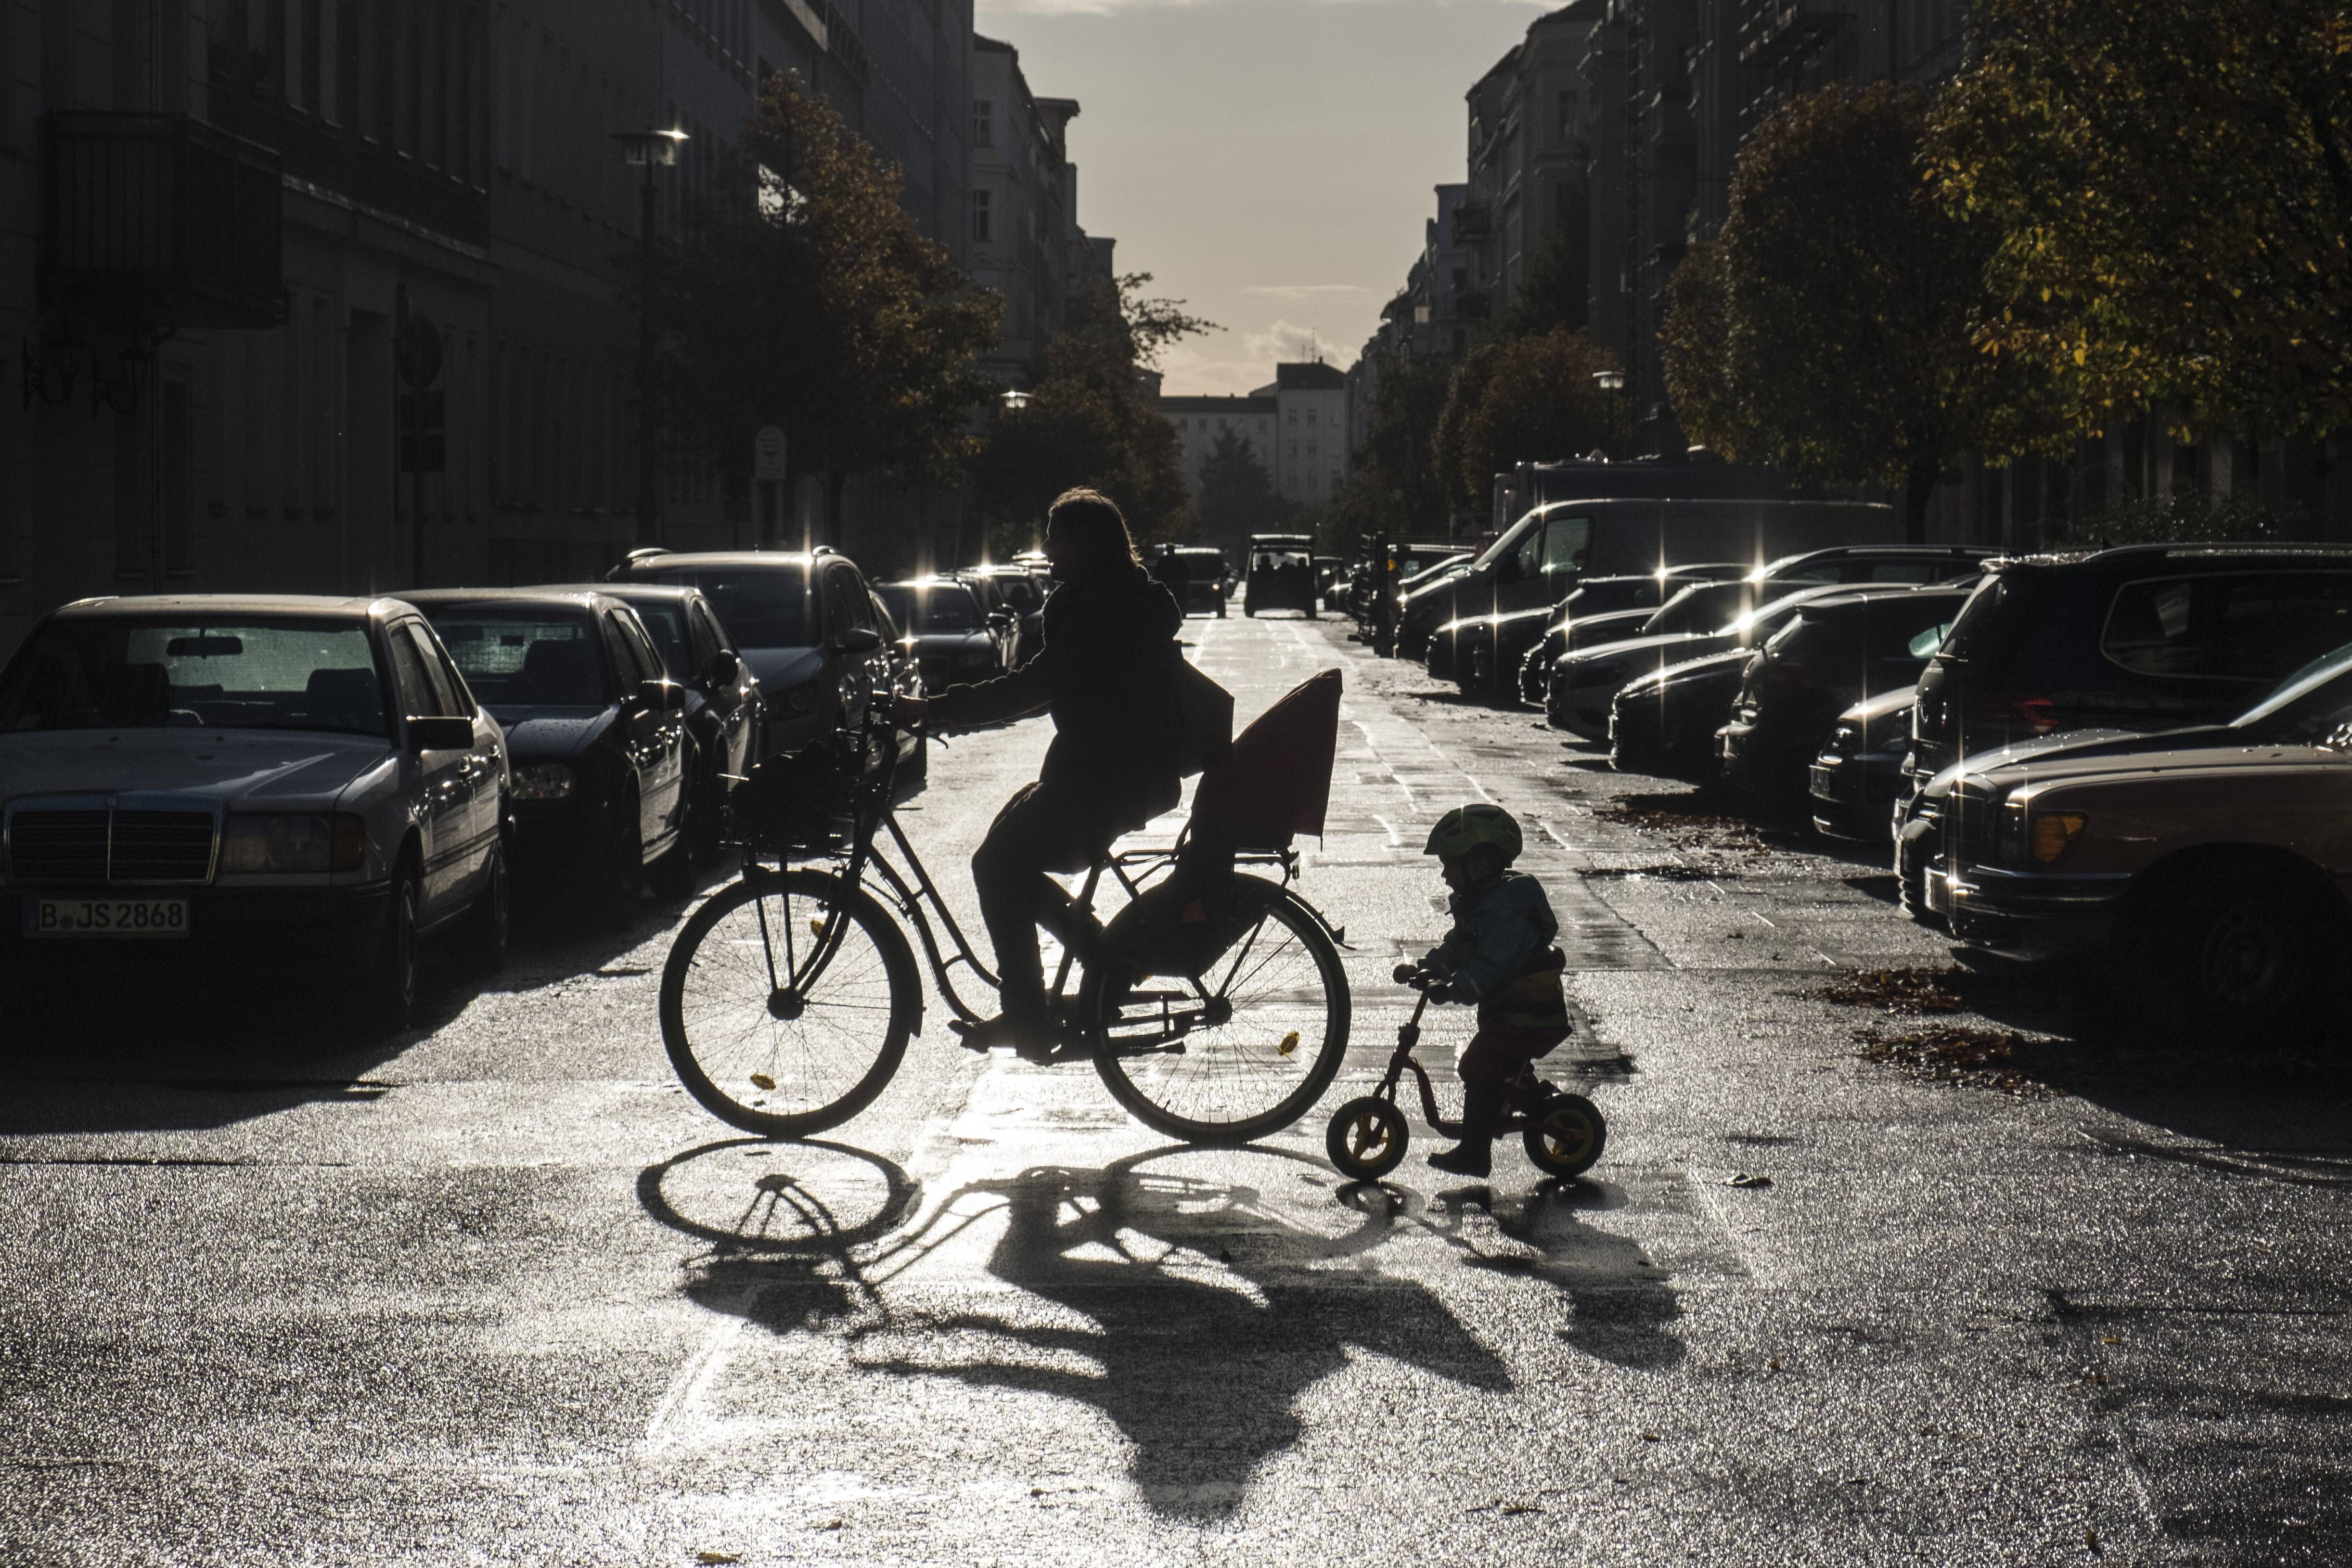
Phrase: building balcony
pixel 163 220
pixel 1778 34
pixel 1473 221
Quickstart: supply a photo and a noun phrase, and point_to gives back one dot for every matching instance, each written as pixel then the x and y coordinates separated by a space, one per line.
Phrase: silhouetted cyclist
pixel 1106 675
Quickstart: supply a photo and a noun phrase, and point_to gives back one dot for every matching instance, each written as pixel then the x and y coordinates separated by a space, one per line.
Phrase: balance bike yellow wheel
pixel 1366 1138
pixel 1566 1134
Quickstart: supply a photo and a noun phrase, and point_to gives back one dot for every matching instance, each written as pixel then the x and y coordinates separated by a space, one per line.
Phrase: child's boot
pixel 1481 1108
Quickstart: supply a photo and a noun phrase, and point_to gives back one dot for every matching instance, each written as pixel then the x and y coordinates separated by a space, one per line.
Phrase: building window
pixel 983 122
pixel 981 215
pixel 1567 113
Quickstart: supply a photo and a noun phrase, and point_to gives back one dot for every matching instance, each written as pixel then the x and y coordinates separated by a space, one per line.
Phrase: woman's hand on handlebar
pixel 1412 974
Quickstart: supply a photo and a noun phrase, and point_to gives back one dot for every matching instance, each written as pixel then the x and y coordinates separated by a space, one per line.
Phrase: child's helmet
pixel 1466 827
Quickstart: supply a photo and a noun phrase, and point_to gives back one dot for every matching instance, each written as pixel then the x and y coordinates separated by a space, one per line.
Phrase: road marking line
pixel 701 1369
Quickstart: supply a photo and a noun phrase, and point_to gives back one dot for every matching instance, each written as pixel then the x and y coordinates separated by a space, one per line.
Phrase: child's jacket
pixel 1499 955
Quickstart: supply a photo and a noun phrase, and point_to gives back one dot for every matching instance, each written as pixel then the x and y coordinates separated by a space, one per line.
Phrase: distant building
pixel 1296 425
pixel 1311 453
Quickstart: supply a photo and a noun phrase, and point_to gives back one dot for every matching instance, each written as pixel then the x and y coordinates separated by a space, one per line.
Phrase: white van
pixel 1549 550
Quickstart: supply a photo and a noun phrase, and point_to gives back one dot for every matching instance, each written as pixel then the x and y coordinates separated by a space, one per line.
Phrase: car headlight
pixel 306 842
pixel 2051 834
pixel 548 781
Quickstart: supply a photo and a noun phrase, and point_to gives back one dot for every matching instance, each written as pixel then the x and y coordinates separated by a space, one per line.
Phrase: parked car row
pixel 315 786
pixel 2143 753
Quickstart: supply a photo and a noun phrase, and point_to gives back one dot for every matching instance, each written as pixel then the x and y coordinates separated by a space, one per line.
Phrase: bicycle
pixel 1563 1133
pixel 790 995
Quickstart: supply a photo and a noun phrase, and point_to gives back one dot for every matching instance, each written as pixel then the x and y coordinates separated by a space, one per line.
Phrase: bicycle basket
pixel 797 801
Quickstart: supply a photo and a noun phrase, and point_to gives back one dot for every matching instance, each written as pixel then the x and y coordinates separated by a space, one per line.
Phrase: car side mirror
pixel 440 734
pixel 858 639
pixel 726 669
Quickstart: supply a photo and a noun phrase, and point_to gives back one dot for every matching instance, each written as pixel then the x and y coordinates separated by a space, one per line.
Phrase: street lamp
pixel 648 150
pixel 1612 383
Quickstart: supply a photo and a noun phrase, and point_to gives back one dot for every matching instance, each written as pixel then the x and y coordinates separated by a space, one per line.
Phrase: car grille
pixel 111 847
pixel 1968 820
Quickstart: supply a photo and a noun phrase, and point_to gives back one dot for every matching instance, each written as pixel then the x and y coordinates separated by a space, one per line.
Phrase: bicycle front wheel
pixel 1238 1052
pixel 787 1003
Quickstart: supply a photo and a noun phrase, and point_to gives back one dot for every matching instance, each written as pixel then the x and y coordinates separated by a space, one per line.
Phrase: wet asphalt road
pixel 496 1291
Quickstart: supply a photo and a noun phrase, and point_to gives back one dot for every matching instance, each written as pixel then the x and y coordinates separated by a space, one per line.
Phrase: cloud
pixel 1305 290
pixel 1234 367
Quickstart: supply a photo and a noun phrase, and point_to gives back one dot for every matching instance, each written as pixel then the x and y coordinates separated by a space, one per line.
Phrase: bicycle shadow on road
pixel 1192 1313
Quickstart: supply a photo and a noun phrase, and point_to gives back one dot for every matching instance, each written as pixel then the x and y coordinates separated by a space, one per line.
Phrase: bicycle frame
pixel 906 883
pixel 1515 1102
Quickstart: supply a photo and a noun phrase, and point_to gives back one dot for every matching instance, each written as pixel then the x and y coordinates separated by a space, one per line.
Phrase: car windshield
pixel 229 674
pixel 2316 697
pixel 947 608
pixel 514 658
pixel 1278 561
pixel 760 607
pixel 667 621
pixel 120 673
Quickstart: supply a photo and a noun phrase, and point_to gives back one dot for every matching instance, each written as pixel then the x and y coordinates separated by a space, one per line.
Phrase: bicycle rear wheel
pixel 1240 1053
pixel 787 1003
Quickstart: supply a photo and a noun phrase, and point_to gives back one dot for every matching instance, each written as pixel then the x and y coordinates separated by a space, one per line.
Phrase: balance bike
pixel 1564 1132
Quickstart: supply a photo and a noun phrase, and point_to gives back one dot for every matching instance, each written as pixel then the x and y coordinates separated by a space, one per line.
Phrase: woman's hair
pixel 1090 523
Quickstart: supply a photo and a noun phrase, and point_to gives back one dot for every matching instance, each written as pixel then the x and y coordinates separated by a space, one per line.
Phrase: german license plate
pixel 106 916
pixel 1824 783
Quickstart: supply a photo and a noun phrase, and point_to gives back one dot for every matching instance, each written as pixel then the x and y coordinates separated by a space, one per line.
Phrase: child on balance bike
pixel 1500 955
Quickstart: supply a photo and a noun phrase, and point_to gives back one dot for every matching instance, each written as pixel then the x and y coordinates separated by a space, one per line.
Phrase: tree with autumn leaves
pixel 804 296
pixel 2116 211
pixel 1090 420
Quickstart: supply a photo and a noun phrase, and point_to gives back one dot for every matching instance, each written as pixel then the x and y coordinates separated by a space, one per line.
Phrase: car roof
pixel 1851 598
pixel 2126 556
pixel 572 598
pixel 233 604
pixel 937 580
pixel 658 593
pixel 1305 539
pixel 773 560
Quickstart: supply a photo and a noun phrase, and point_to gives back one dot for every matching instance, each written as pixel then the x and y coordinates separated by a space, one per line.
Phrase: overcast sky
pixel 1270 161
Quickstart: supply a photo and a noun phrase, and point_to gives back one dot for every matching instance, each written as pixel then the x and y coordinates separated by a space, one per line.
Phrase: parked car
pixel 1370 577
pixel 1705 618
pixel 2144 637
pixel 1885 565
pixel 723 697
pixel 1554 547
pixel 596 737
pixel 953 638
pixel 822 646
pixel 1858 776
pixel 1197 576
pixel 1023 592
pixel 996 608
pixel 1329 570
pixel 233 785
pixel 2217 873
pixel 1664 722
pixel 1840 649
pixel 1411 633
pixel 2298 709
pixel 1591 597
pixel 1281 574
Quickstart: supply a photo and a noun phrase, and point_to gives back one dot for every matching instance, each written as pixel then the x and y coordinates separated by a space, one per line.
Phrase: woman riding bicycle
pixel 1104 676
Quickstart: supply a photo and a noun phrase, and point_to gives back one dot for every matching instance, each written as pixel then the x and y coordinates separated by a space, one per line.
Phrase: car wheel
pixel 2228 953
pixel 385 997
pixel 621 869
pixel 489 932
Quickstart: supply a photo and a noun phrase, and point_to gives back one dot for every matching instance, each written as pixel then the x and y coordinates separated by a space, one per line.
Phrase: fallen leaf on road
pixel 1896 991
pixel 715 1557
pixel 826 1524
pixel 1289 1044
pixel 762 1080
pixel 1651 1438
pixel 2090 1541
pixel 1749 1179
pixel 1509 1509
